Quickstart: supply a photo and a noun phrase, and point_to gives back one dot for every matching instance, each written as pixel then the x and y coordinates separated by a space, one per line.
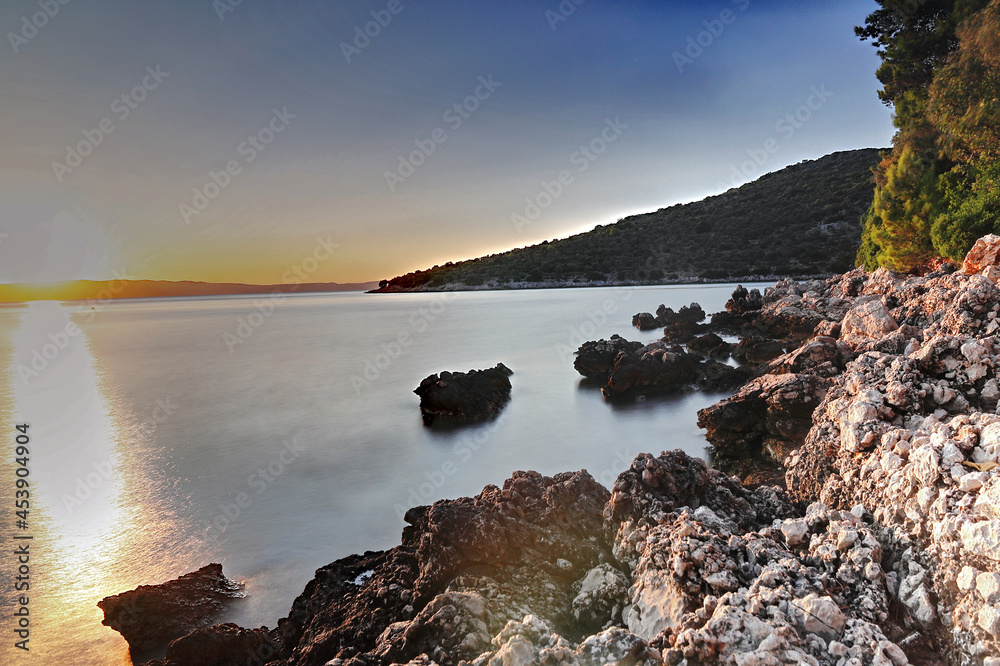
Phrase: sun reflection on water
pixel 86 517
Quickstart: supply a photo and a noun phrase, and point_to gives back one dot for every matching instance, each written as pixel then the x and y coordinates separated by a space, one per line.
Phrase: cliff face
pixel 884 550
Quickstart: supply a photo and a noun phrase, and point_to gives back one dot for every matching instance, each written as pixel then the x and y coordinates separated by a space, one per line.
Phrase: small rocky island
pixel 880 545
pixel 465 397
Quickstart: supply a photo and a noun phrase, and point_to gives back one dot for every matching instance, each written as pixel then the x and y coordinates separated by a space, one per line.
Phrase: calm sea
pixel 275 436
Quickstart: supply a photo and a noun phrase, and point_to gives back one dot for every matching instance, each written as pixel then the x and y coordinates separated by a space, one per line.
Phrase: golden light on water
pixel 87 520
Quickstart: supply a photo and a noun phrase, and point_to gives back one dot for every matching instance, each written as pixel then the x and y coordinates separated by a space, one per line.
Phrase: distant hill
pixel 100 290
pixel 803 220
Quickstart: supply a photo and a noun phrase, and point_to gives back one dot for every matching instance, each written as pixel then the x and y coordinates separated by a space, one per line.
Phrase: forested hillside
pixel 802 220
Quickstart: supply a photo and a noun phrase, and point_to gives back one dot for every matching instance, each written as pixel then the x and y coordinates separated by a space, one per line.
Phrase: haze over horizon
pixel 229 142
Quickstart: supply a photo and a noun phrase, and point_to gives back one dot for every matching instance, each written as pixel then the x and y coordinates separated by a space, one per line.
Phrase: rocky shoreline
pixel 875 394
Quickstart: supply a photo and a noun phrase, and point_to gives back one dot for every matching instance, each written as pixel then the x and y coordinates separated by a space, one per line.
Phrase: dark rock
pixel 715 377
pixel 686 318
pixel 150 616
pixel 465 397
pixel 686 314
pixel 595 360
pixel 710 344
pixel 655 367
pixel 771 414
pixel 757 350
pixel 793 322
pixel 744 301
pixel 681 332
pixel 465 568
pixel 221 645
pixel 645 321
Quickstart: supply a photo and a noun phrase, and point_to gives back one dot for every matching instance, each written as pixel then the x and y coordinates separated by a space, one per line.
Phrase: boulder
pixel 985 252
pixel 657 367
pixel 645 321
pixel 150 616
pixel 869 320
pixel 772 414
pixel 465 397
pixel 596 360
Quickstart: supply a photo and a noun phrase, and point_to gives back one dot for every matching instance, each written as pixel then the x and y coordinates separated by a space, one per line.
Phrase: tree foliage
pixel 941 72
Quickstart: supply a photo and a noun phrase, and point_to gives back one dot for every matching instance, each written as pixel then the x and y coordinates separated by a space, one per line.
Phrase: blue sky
pixel 313 120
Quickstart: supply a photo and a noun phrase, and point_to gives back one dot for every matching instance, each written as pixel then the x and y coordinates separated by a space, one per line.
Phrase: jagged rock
pixel 867 321
pixel 655 367
pixel 819 355
pixel 985 252
pixel 744 301
pixel 772 413
pixel 602 596
pixel 465 397
pixel 595 360
pixel 221 645
pixel 685 319
pixel 645 321
pixel 692 313
pixel 150 616
pixel 710 344
pixel 757 350
pixel 715 377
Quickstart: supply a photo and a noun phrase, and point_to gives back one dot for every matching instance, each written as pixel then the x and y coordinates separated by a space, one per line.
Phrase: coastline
pixel 881 549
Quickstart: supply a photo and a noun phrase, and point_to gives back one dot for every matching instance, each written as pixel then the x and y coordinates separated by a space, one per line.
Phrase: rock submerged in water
pixel 150 616
pixel 465 397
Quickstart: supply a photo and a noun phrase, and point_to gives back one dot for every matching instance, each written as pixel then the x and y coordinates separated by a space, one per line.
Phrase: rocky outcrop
pixel 743 301
pixel 150 616
pixel 679 562
pixel 686 317
pixel 772 414
pixel 596 360
pixel 985 254
pixel 465 397
pixel 656 367
pixel 631 368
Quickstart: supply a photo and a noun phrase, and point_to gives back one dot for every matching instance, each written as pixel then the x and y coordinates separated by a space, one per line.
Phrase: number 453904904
pixel 22 471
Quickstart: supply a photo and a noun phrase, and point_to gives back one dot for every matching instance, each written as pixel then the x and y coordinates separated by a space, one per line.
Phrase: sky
pixel 346 140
